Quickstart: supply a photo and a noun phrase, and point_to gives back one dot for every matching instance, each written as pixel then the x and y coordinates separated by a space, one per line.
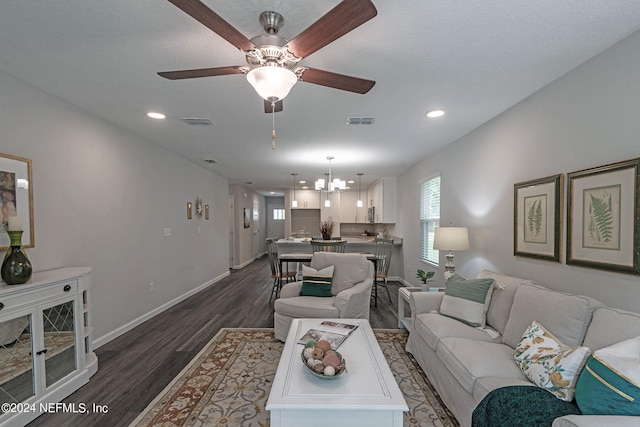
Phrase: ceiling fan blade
pixel 345 17
pixel 268 108
pixel 201 72
pixel 337 81
pixel 201 13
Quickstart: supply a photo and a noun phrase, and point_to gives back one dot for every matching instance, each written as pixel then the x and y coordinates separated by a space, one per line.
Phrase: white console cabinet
pixel 46 347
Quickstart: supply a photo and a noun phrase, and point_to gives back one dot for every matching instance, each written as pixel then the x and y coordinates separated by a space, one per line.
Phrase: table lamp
pixel 451 239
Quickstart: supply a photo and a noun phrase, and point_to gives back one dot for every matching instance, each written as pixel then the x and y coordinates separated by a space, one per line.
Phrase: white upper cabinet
pixel 349 212
pixel 382 197
pixel 307 199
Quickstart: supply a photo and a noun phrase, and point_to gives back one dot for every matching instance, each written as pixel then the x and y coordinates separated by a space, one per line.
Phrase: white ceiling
pixel 473 58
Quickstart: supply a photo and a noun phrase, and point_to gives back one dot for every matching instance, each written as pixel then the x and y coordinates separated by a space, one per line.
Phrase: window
pixel 278 214
pixel 429 218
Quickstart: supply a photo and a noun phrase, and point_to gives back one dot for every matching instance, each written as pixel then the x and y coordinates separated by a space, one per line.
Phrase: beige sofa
pixel 464 363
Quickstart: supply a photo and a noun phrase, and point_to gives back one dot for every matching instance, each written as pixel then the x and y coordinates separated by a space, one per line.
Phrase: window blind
pixel 429 218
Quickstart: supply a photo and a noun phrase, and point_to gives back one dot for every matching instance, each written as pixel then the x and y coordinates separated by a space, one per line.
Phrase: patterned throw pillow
pixel 316 283
pixel 548 363
pixel 467 300
pixel 610 382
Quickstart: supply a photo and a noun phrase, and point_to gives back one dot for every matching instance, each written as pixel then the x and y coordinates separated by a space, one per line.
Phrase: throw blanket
pixel 520 406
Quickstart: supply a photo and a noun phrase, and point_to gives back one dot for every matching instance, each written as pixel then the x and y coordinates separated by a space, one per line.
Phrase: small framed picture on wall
pixel 247 217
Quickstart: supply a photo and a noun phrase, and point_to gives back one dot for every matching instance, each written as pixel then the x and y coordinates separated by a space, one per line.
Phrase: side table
pixel 404 293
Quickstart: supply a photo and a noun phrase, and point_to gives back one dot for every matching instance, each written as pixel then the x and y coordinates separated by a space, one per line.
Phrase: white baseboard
pixel 135 322
pixel 244 264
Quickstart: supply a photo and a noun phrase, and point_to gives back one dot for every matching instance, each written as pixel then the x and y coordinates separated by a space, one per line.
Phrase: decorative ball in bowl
pixel 321 361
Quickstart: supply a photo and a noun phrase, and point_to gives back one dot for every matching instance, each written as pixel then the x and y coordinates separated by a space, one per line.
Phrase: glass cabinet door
pixel 59 341
pixel 16 362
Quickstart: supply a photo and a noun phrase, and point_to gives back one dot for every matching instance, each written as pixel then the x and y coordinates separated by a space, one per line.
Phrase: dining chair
pixel 383 252
pixel 328 245
pixel 276 274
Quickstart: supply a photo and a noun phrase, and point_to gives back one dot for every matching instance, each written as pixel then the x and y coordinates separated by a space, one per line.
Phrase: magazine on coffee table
pixel 333 332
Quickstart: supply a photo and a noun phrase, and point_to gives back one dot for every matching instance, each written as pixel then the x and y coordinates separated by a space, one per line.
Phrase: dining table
pixel 306 257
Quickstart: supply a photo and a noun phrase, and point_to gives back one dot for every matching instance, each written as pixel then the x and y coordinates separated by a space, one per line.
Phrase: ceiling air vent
pixel 360 120
pixel 211 161
pixel 197 121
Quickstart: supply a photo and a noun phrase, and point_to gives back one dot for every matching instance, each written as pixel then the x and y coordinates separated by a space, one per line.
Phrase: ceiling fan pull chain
pixel 273 125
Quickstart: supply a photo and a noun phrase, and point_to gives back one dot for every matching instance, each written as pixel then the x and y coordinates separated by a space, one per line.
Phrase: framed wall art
pixel 537 218
pixel 16 198
pixel 247 217
pixel 602 228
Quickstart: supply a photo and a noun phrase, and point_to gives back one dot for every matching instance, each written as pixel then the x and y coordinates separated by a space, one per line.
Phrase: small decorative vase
pixel 16 267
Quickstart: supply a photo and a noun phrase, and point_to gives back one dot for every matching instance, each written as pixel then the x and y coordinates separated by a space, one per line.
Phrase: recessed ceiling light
pixel 302 182
pixel 157 116
pixel 432 114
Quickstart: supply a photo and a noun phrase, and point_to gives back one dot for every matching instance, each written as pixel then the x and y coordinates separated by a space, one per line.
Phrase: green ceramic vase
pixel 16 267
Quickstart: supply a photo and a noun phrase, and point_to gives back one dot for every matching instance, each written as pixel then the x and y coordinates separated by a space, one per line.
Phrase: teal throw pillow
pixel 316 283
pixel 467 300
pixel 610 382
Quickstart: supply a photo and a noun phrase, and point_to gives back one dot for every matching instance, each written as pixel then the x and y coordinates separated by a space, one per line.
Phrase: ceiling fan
pixel 272 61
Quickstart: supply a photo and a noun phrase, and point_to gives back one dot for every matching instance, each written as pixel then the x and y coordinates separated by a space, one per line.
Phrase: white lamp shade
pixel 451 239
pixel 272 83
pixel 320 184
pixel 294 203
pixel 359 203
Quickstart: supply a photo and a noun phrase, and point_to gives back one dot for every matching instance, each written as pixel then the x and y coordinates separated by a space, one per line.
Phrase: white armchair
pixel 350 293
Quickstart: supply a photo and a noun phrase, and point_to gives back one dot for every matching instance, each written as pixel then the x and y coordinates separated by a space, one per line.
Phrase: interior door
pixel 275 220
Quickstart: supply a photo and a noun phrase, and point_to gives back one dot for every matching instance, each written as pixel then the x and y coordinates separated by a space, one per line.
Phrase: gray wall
pixel 587 118
pixel 102 198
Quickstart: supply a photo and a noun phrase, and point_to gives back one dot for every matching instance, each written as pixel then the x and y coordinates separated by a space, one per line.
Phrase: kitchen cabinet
pixel 46 344
pixel 349 212
pixel 382 197
pixel 307 199
pixel 331 213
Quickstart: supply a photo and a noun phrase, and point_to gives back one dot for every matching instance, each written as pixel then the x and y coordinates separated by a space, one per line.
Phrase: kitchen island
pixel 363 244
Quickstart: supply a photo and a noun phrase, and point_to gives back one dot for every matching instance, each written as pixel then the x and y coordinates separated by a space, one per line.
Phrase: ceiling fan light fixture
pixel 272 83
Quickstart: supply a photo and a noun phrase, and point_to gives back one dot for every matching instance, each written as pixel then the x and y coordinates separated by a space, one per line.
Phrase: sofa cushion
pixel 610 326
pixel 467 300
pixel 548 363
pixel 610 383
pixel 432 327
pixel 349 268
pixel 469 359
pixel 502 297
pixel 564 315
pixel 301 307
pixel 316 283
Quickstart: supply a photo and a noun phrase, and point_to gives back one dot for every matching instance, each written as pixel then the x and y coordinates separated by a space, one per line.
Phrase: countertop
pixel 350 240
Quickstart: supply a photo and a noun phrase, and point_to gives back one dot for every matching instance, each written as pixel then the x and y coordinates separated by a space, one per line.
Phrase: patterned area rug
pixel 227 384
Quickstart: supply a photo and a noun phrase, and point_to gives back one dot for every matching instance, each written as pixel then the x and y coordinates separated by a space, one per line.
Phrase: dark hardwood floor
pixel 137 366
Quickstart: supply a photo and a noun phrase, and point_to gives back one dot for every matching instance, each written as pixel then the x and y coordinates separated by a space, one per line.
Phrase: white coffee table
pixel 367 395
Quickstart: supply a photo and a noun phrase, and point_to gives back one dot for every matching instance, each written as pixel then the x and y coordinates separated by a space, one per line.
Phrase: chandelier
pixel 333 184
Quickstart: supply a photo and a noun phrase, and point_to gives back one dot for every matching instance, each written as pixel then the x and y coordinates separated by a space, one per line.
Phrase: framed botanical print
pixel 537 219
pixel 603 229
pixel 16 198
